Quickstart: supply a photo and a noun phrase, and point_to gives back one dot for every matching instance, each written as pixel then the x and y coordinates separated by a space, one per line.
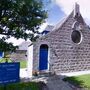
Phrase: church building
pixel 64 49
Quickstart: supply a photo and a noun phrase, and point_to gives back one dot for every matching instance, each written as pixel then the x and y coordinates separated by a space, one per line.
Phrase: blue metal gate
pixel 43 57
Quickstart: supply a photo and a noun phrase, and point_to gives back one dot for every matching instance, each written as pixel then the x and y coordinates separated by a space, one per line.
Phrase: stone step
pixel 44 74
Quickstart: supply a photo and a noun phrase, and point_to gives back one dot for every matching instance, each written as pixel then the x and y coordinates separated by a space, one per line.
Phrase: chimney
pixel 76 10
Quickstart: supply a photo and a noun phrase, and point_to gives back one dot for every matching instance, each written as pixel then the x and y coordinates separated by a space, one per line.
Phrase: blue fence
pixel 9 72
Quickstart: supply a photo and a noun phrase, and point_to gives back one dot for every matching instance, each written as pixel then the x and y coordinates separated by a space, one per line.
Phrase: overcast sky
pixel 57 9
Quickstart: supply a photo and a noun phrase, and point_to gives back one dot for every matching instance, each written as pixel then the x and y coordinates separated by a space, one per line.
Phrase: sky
pixel 68 5
pixel 58 9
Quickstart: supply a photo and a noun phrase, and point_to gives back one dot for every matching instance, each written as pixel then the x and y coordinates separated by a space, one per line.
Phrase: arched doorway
pixel 43 57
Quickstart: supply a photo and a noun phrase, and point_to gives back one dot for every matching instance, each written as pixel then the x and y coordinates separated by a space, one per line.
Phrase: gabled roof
pixel 59 25
pixel 75 14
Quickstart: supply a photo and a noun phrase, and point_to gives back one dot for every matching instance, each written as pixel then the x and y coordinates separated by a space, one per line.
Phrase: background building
pixel 21 52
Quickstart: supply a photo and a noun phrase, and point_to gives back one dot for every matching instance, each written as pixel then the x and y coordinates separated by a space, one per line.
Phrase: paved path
pixel 54 83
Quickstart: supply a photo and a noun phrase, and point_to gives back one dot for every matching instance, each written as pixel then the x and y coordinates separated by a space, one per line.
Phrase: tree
pixel 20 19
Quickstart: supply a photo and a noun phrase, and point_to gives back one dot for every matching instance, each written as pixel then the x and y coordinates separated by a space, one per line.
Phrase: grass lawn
pixel 23 63
pixel 21 86
pixel 81 81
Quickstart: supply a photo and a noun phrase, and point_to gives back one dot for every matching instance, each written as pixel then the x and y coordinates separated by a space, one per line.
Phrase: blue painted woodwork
pixel 45 32
pixel 9 72
pixel 1 54
pixel 43 58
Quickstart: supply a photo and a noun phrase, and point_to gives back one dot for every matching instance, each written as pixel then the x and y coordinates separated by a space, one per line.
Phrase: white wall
pixel 30 61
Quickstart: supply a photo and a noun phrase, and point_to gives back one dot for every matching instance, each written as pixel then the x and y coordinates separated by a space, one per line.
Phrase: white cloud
pixel 43 26
pixel 15 41
pixel 68 5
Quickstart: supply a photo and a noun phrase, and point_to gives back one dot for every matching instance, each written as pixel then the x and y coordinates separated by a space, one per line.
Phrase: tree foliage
pixel 20 19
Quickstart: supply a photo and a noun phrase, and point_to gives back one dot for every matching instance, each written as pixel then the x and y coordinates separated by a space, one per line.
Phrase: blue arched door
pixel 43 57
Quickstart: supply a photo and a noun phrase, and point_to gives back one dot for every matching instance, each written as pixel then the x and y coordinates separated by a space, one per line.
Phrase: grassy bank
pixel 80 81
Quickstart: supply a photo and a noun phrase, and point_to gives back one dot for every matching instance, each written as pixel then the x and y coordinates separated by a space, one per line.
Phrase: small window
pixel 76 36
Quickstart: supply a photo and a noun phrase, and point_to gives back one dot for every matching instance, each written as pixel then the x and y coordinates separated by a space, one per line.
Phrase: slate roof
pixel 49 28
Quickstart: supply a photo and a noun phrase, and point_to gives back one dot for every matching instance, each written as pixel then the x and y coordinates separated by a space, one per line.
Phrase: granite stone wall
pixel 65 55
